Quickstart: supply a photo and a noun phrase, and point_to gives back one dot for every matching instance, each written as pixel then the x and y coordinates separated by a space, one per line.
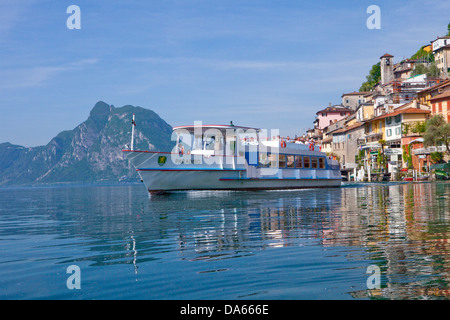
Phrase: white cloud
pixel 39 75
pixel 253 64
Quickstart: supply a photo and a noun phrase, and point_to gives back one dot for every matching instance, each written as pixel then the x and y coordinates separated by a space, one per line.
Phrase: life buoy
pixel 283 144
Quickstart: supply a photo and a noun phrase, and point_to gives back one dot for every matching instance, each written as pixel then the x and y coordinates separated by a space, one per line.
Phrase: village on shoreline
pixel 379 133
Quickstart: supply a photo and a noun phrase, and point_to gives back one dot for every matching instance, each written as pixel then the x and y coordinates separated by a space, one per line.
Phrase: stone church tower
pixel 387 68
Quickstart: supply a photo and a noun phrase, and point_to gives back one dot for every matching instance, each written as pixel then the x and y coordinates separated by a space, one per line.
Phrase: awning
pixel 441 166
pixel 416 140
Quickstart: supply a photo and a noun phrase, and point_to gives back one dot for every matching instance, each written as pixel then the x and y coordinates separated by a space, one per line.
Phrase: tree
pixel 424 55
pixel 419 69
pixel 431 71
pixel 448 28
pixel 407 155
pixel 372 79
pixel 437 132
pixel 437 157
pixel 382 158
pixel 434 71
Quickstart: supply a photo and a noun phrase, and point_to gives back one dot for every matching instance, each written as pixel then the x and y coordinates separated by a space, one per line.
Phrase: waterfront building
pixel 364 111
pixel 441 51
pixel 403 70
pixel 327 145
pixel 440 104
pixel 384 135
pixel 346 145
pixel 353 99
pixel 434 88
pixel 330 115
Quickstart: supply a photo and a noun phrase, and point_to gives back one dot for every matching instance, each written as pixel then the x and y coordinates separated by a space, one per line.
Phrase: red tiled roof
pixel 442 95
pixel 408 110
pixel 446 82
pixel 386 55
pixel 335 109
pixel 327 140
pixel 353 126
pixel 443 47
pixel 356 93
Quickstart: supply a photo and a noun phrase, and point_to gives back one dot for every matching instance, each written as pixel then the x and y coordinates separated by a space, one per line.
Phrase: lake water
pixel 307 244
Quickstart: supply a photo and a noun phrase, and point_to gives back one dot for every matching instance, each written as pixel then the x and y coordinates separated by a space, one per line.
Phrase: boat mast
pixel 132 132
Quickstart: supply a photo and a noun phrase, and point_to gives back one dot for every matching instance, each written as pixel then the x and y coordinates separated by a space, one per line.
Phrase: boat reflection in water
pixel 402 228
pixel 311 243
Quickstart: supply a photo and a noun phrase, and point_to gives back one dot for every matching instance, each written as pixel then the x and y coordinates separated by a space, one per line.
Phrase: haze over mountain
pixel 90 153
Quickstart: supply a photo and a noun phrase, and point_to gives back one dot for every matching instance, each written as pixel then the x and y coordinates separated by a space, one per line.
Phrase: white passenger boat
pixel 228 157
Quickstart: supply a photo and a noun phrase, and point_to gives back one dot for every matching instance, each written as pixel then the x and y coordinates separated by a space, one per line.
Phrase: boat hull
pixel 176 180
pixel 176 175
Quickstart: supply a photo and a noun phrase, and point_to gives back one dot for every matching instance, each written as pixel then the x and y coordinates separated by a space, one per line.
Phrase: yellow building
pixel 374 129
pixel 385 132
pixel 440 104
pixel 427 48
pixel 424 96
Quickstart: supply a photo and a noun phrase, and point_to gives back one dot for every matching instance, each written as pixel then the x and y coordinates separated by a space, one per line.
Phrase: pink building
pixel 330 115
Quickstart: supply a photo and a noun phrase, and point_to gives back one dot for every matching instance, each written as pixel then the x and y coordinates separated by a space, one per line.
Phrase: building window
pixel 389 132
pixel 397 131
pixel 388 120
pixel 398 118
pixel 440 106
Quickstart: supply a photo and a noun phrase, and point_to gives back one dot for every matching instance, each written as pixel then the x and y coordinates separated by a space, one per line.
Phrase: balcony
pixel 429 150
pixel 374 137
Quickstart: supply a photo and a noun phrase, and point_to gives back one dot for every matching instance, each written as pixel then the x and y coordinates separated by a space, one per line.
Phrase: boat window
pixel 306 162
pixel 263 160
pixel 282 161
pixel 290 161
pixel 184 140
pixel 298 162
pixel 273 160
pixel 314 162
pixel 210 142
pixel 322 163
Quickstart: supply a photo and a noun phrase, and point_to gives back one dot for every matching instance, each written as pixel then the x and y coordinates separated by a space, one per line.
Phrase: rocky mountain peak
pixel 90 153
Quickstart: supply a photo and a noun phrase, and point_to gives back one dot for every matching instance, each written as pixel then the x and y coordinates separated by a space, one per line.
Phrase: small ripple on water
pixel 313 244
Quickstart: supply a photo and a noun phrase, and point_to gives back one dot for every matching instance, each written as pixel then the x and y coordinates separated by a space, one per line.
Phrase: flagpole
pixel 132 132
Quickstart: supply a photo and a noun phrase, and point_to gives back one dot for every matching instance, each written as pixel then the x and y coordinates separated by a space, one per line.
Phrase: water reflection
pixel 403 228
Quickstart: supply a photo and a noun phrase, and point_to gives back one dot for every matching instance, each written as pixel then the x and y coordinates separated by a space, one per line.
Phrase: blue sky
pixel 269 64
